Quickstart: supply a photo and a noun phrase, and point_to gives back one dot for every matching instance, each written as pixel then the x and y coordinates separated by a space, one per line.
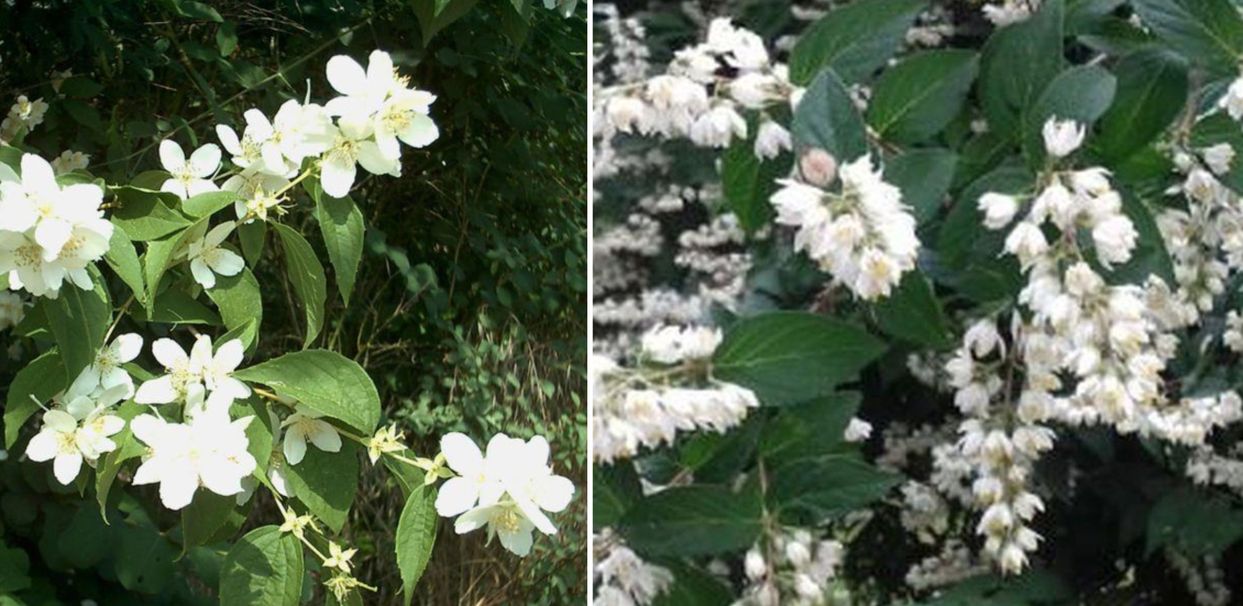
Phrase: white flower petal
pixel 66 467
pixel 457 495
pixel 294 446
pixel 461 453
pixel 172 157
pixel 346 75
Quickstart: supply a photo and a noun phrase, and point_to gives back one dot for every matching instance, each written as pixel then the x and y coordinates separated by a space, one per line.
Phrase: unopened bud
pixel 819 167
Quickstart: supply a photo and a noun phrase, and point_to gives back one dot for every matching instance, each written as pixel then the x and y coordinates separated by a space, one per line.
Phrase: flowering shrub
pixel 133 317
pixel 910 301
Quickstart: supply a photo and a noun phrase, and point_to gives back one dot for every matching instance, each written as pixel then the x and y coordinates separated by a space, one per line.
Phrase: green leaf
pixel 341 223
pixel 240 302
pixel 33 385
pixel 253 236
pixel 207 204
pixel 14 570
pixel 1195 523
pixel 1082 93
pixel 205 515
pixel 827 118
pixel 1017 62
pixel 162 254
pixel 787 357
pixel 918 97
pixel 122 257
pixel 1032 588
pixel 1208 32
pixel 1152 90
pixel 812 429
pixel 616 488
pixel 913 313
pixel 226 39
pixel 826 486
pixel 326 483
pixel 79 319
pixel 924 176
pixel 144 560
pixel 264 567
pixel 324 381
pixel 693 521
pixel 416 535
pixel 307 275
pixel 748 182
pixel 693 587
pixel 177 307
pixel 435 15
pixel 198 10
pixel 145 214
pixel 854 39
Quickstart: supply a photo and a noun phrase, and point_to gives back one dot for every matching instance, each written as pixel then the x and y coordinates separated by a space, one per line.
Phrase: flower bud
pixel 818 167
pixel 1061 137
pixel 998 209
pixel 754 565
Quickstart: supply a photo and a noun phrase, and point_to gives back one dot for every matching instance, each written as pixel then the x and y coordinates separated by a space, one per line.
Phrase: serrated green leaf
pixel 416 535
pixel 919 96
pixel 787 357
pixel 307 275
pixel 324 381
pixel 826 118
pixel 326 483
pixel 263 567
pixel 854 40
pixel 693 521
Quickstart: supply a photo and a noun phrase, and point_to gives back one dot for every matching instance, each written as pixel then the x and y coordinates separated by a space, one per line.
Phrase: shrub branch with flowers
pixel 114 286
pixel 907 301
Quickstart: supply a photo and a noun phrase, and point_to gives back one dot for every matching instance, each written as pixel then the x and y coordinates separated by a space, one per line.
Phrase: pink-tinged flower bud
pixel 819 167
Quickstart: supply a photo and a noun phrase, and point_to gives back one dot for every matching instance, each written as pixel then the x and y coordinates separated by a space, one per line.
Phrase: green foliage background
pixel 469 310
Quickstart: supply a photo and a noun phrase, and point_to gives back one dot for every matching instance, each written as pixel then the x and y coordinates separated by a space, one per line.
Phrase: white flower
pixel 673 344
pixel 302 130
pixel 383 98
pixel 209 451
pixel 258 147
pixel 1115 239
pixel 207 257
pixel 475 484
pixel 529 481
pixel 718 126
pixel 80 431
pixel 38 202
pixel 306 425
pixel 12 309
pixel 755 90
pixel 858 430
pixel 1219 157
pixel 1027 242
pixel 504 520
pixel 184 373
pixel 1232 101
pixel 69 161
pixel 1061 137
pixel 998 209
pixel 106 371
pixel 628 113
pixel 771 140
pixel 353 146
pixel 217 371
pixel 189 178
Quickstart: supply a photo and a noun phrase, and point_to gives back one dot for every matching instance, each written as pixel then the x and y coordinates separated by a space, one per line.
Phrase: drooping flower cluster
pixel 792 568
pixel 622 577
pixel 701 95
pixel 863 234
pixel 1001 443
pixel 49 234
pixel 506 491
pixel 671 390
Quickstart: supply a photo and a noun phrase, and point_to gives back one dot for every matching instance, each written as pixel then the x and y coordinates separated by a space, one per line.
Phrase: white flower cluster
pixel 702 93
pixel 78 429
pixel 1205 241
pixel 792 568
pixel 672 390
pixel 23 116
pixel 953 564
pixel 507 491
pixel 627 44
pixel 863 235
pixel 1008 12
pixel 1205 578
pixel 622 577
pixel 69 161
pixel 1001 449
pixel 49 234
pixel 376 111
pixel 12 309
